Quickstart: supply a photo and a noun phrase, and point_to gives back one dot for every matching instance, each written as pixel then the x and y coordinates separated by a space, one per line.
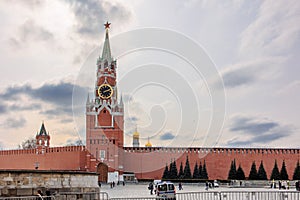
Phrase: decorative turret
pixel 42 138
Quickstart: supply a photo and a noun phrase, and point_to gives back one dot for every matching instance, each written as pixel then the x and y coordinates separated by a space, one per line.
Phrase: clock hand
pixel 106 90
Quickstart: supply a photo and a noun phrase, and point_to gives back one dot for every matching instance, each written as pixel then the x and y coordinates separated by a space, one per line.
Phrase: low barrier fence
pixel 229 195
pixel 207 195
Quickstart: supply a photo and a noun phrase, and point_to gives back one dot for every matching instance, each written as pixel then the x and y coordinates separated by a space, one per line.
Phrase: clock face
pixel 105 91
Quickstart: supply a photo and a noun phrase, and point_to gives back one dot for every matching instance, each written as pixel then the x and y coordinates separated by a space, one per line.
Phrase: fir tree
pixel 275 172
pixel 261 174
pixel 187 169
pixel 200 171
pixel 204 172
pixel 181 174
pixel 196 172
pixel 240 175
pixel 283 173
pixel 253 172
pixel 173 170
pixel 296 175
pixel 232 171
pixel 166 173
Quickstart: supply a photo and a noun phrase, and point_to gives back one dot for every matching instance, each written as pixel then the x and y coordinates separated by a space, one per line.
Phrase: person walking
pixel 150 187
pixel 180 186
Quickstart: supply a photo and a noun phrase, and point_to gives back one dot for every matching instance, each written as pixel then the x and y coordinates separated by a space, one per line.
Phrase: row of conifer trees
pixel 234 173
pixel 238 173
pixel 171 171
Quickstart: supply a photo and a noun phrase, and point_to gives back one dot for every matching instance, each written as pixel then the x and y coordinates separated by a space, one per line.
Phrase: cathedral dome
pixel 148 144
pixel 136 134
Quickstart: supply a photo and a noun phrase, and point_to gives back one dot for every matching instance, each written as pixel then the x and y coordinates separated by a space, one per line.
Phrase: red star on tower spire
pixel 107 25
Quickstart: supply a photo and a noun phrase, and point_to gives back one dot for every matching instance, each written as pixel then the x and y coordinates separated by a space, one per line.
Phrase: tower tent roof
pixel 106 53
pixel 43 130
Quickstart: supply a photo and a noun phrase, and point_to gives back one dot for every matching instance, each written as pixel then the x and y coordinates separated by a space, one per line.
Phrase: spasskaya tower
pixel 105 113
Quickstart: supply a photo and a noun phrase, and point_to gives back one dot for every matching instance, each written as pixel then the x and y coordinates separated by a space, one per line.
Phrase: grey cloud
pixel 31 32
pixel 249 126
pixel 14 123
pixel 57 111
pixel 3 108
pixel 257 130
pixel 167 136
pixel 132 119
pixel 91 14
pixel 66 120
pixel 33 106
pixel 246 73
pixel 237 78
pixel 57 94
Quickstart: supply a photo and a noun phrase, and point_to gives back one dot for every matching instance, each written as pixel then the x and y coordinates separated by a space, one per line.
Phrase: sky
pixel 251 47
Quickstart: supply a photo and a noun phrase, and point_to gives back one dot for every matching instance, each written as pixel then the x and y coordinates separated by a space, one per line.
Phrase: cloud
pixel 132 119
pixel 167 136
pixel 59 94
pixel 30 32
pixel 33 106
pixel 238 77
pixel 251 72
pixel 3 108
pixel 273 32
pixel 256 130
pixel 14 123
pixel 250 126
pixel 29 3
pixel 91 14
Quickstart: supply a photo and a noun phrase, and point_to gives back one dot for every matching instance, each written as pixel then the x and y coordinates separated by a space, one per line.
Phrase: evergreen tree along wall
pixel 253 172
pixel 196 171
pixel 181 174
pixel 261 174
pixel 187 170
pixel 283 173
pixel 232 171
pixel 166 173
pixel 296 175
pixel 200 171
pixel 240 175
pixel 275 172
pixel 204 173
pixel 173 170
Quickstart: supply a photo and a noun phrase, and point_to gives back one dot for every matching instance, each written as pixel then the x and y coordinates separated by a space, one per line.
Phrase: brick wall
pixel 150 163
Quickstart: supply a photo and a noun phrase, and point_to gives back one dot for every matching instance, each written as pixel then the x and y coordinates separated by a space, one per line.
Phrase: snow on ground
pixel 141 190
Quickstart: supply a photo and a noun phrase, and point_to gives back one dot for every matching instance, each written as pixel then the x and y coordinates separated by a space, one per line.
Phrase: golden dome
pixel 148 144
pixel 136 134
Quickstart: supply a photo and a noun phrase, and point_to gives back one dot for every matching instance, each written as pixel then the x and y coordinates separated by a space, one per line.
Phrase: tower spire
pixel 106 53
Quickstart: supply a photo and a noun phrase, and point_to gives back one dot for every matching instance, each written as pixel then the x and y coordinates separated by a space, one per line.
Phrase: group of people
pixel 113 184
pixel 281 184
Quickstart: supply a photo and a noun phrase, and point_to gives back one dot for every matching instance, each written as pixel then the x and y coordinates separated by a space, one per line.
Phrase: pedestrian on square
pixel 180 186
pixel 150 187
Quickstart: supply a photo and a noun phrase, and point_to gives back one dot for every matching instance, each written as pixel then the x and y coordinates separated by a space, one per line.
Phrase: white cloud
pixel 273 32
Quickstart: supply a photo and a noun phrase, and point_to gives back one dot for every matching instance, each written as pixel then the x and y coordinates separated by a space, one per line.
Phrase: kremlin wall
pixel 105 152
pixel 150 162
